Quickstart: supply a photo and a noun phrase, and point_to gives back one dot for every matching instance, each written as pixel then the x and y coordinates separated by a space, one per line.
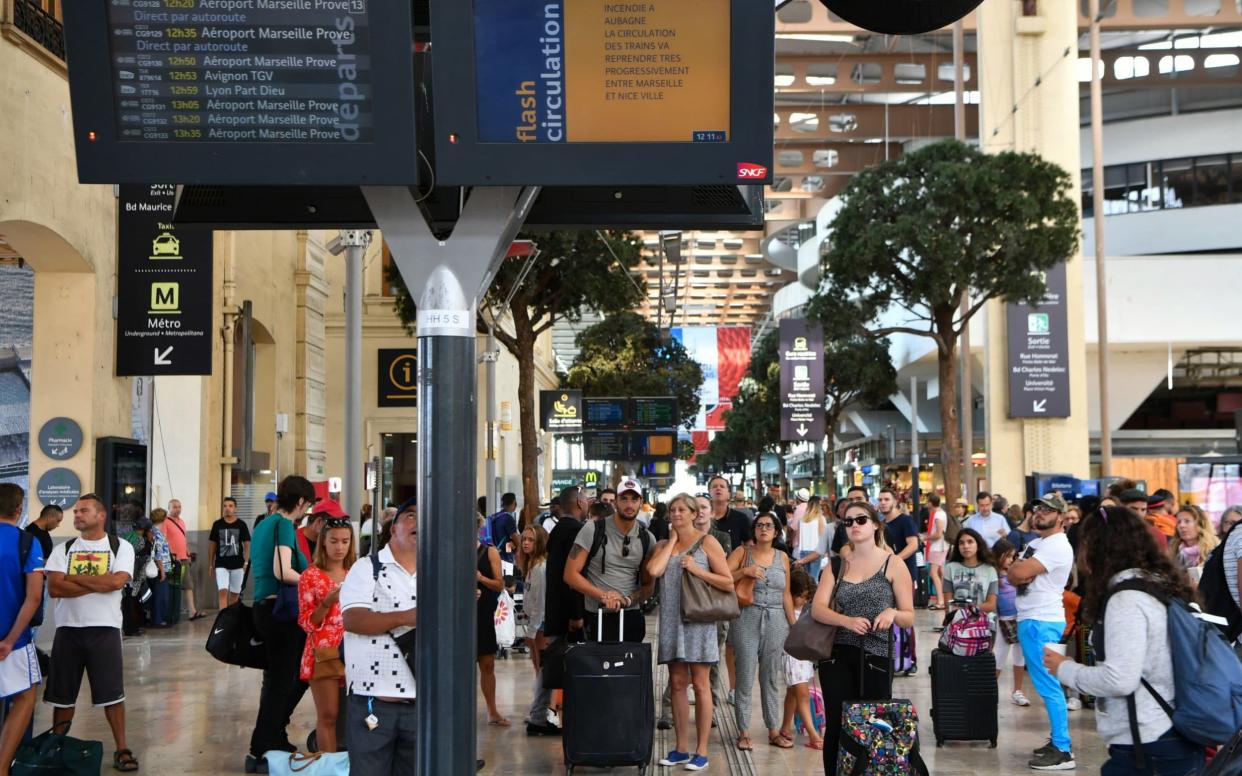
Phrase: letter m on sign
pixel 165 297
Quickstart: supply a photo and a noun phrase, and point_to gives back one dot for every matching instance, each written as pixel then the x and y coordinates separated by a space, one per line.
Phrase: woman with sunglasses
pixel 758 635
pixel 875 594
pixel 319 614
pixel 689 649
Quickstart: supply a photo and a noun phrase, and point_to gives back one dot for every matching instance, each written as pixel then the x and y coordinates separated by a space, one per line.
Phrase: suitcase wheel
pixel 939 743
pixel 993 744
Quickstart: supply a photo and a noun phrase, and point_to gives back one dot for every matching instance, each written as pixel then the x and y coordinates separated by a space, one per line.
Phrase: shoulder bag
pixel 285 610
pixel 810 639
pixel 704 602
pixel 745 587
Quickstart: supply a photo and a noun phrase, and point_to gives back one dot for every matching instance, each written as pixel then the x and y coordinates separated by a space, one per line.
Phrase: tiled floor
pixel 188 714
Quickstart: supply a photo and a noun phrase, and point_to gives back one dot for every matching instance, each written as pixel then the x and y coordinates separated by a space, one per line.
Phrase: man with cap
pixel 269 501
pixel 308 534
pixel 1040 576
pixel 607 565
pixel 1135 500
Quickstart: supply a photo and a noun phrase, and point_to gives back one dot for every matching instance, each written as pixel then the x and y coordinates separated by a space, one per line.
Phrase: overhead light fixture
pixel 816 37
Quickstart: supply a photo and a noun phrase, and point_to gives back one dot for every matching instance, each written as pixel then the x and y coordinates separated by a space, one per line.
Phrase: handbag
pixel 298 764
pixel 504 620
pixel 745 587
pixel 285 610
pixel 969 633
pixel 51 752
pixel 703 602
pixel 233 639
pixel 150 570
pixel 328 663
pixel 810 639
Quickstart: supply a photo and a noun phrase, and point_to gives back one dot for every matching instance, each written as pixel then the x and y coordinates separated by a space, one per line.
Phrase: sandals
pixel 787 734
pixel 816 745
pixel 197 616
pixel 500 722
pixel 744 744
pixel 124 760
pixel 780 742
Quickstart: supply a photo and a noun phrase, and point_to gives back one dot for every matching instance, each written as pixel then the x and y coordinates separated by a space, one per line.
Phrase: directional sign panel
pixel 802 381
pixel 561 410
pixel 1039 354
pixel 164 294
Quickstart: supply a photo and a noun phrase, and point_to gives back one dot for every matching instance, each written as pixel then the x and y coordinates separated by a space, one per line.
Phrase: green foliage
pixel 918 232
pixel 575 272
pixel 624 355
pixel 857 369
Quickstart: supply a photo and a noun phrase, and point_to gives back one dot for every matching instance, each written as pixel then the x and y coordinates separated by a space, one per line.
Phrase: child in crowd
pixel 799 673
pixel 1007 621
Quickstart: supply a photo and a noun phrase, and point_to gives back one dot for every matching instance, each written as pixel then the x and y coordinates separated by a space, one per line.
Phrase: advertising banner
pixel 724 356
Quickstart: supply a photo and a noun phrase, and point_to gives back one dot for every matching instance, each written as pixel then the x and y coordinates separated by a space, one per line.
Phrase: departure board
pixel 242 70
pixel 644 446
pixel 243 92
pixel 605 445
pixel 653 412
pixel 605 413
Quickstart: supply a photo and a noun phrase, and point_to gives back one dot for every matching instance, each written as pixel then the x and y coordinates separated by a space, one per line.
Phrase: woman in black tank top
pixel 490 582
pixel 875 594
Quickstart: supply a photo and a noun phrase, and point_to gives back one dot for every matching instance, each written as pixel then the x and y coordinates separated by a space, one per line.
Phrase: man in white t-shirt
pixel 84 578
pixel 1040 577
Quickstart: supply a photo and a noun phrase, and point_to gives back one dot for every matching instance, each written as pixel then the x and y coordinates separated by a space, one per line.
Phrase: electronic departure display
pixel 605 413
pixel 229 91
pixel 603 92
pixel 646 446
pixel 605 445
pixel 654 412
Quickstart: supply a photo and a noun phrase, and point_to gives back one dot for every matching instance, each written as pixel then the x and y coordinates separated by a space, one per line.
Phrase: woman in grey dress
pixel 688 648
pixel 758 635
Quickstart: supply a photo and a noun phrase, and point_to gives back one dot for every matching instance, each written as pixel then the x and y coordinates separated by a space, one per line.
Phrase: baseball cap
pixel 328 507
pixel 1159 498
pixel 803 494
pixel 270 496
pixel 407 505
pixel 1132 495
pixel 631 485
pixel 1053 501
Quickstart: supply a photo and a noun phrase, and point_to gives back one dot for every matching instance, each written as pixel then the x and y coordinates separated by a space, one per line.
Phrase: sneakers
pixel 542 730
pixel 1053 759
pixel 1019 699
pixel 1046 747
pixel 675 758
pixel 1073 704
pixel 697 763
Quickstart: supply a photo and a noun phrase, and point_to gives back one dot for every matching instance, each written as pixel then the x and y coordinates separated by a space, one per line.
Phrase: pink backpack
pixel 969 633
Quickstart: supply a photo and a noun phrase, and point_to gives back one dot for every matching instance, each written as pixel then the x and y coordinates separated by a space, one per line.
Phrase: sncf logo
pixel 748 171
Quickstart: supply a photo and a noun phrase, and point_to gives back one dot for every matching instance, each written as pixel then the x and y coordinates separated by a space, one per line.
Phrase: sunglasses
pixel 765 527
pixel 337 522
pixel 625 548
pixel 860 521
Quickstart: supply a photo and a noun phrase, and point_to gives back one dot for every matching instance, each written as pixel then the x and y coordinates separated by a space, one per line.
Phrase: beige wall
pixel 66 232
pixel 1015 51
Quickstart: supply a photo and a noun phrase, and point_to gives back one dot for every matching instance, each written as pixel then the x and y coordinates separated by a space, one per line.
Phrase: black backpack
pixel 597 546
pixel 25 541
pixel 1214 589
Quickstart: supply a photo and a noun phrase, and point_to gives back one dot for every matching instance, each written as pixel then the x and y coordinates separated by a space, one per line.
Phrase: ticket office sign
pixel 225 76
pixel 603 92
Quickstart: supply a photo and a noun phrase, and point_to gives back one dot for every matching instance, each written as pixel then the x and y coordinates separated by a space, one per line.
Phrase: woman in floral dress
pixel 319 614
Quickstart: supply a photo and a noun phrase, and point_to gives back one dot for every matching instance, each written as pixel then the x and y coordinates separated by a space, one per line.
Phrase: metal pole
pixel 914 447
pixel 966 393
pixel 1097 200
pixel 355 242
pixel 491 357
pixel 449 277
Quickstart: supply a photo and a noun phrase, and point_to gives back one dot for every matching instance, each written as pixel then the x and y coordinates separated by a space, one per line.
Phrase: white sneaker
pixel 1019 699
pixel 1073 704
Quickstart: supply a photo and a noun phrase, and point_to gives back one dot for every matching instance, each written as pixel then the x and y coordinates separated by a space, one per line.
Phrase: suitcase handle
pixel 599 629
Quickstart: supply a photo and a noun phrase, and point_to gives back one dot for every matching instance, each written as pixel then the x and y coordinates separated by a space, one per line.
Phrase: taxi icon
pixel 166 245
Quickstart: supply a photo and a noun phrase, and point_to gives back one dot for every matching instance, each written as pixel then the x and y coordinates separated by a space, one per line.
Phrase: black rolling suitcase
pixel 609 704
pixel 964 697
